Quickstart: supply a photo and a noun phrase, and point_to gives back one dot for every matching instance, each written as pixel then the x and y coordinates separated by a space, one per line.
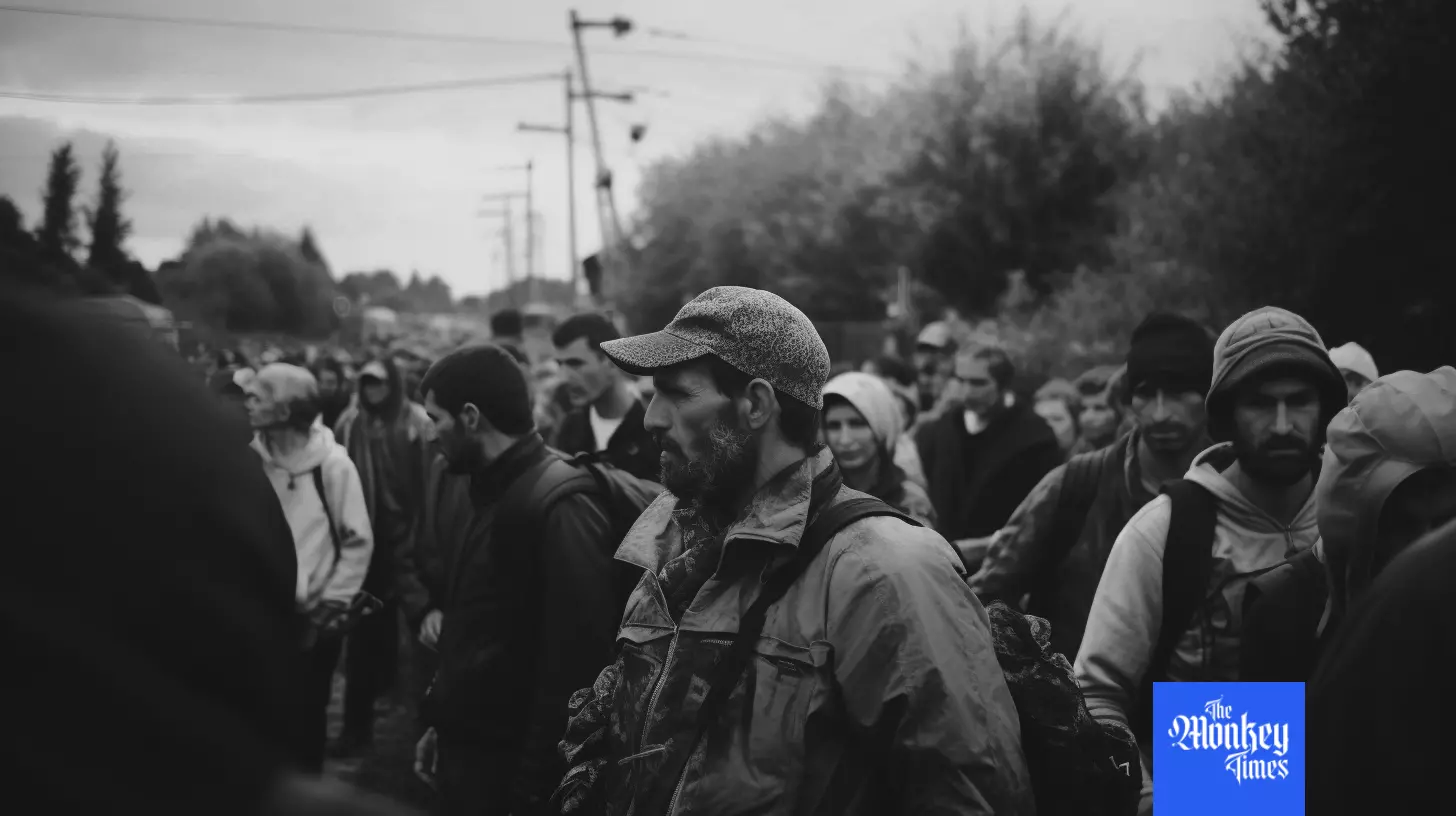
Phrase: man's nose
pixel 655 419
pixel 1160 407
pixel 1282 427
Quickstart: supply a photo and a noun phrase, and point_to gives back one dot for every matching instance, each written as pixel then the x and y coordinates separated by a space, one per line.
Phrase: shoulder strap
pixel 825 524
pixel 1080 481
pixel 323 494
pixel 1187 566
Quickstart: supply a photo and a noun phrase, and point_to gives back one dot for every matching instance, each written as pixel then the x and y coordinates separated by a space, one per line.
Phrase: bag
pixel 1187 567
pixel 625 495
pixel 1077 765
pixel 363 602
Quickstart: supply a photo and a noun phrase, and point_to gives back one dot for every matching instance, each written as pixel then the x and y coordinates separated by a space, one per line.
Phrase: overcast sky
pixel 395 182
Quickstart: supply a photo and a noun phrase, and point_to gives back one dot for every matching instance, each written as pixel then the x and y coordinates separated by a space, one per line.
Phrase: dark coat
pixel 1017 450
pixel 530 616
pixel 632 448
pixel 1282 611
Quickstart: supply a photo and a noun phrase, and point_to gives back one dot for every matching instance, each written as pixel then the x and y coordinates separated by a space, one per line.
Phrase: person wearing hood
pixel 388 437
pixel 323 501
pixel 1273 393
pixel 1389 476
pixel 1054 547
pixel 1375 708
pixel 984 457
pixel 863 427
pixel 1355 365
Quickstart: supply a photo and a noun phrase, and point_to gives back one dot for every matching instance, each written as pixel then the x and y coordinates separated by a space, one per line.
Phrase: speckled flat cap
pixel 756 332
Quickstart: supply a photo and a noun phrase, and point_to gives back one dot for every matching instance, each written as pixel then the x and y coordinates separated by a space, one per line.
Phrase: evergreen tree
pixel 57 231
pixel 109 229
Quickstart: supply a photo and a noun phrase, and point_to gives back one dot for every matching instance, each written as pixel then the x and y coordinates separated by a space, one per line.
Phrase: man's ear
pixel 758 405
pixel 470 418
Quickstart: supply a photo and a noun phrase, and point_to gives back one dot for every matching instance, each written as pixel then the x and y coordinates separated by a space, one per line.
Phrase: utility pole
pixel 509 231
pixel 606 202
pixel 567 130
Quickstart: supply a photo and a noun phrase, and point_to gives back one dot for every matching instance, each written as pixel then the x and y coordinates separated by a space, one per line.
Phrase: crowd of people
pixel 705 570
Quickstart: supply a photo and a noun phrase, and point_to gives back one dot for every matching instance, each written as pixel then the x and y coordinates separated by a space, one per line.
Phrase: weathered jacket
pixel 1024 554
pixel 873 689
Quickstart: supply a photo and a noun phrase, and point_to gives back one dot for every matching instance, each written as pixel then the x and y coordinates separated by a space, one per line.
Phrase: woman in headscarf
pixel 863 426
pixel 1059 404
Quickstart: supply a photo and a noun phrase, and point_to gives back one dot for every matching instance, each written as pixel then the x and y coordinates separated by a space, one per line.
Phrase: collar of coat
pixel 777 514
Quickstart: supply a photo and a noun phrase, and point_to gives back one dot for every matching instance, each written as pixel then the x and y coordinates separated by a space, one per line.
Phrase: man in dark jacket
pixel 529 608
pixel 1375 709
pixel 1057 542
pixel 150 636
pixel 984 459
pixel 387 436
pixel 606 415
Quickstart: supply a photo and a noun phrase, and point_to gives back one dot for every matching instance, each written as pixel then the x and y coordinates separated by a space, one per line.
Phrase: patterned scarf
pixel 585 744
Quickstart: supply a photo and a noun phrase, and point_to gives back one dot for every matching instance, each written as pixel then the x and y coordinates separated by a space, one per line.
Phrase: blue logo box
pixel 1224 748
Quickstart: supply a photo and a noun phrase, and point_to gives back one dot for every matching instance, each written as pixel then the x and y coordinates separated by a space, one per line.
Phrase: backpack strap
pixel 1187 568
pixel 825 523
pixel 318 484
pixel 1081 479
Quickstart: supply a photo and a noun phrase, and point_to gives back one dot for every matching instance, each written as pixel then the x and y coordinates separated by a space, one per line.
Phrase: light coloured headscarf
pixel 875 401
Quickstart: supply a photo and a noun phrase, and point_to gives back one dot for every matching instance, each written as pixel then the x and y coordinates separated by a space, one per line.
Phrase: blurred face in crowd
pixel 374 390
pixel 586 372
pixel 454 435
pixel 1423 502
pixel 1276 429
pixel 1059 418
pixel 328 383
pixel 1354 383
pixel 1098 419
pixel 1171 418
pixel 707 454
pixel 849 436
pixel 982 394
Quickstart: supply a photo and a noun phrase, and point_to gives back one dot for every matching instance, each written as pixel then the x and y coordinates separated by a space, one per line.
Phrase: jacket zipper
pixel 683 778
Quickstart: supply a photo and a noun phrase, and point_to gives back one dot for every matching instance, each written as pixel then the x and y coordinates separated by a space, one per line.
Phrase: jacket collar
pixel 777 514
pixel 489 482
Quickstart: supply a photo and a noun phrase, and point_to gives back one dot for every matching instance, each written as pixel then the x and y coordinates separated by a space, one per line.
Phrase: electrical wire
pixel 266 99
pixel 427 36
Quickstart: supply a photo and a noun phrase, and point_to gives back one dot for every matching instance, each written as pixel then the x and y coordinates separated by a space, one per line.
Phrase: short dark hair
pixel 1002 370
pixel 798 420
pixel 506 323
pixel 593 327
pixel 488 377
pixel 894 368
pixel 516 353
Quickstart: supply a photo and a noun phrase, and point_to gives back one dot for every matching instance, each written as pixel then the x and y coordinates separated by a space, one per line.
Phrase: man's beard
pixel 1262 463
pixel 715 479
pixel 461 459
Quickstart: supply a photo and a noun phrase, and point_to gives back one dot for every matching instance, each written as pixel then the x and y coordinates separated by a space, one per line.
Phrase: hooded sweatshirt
pixel 1123 625
pixel 321 575
pixel 873 399
pixel 1398 426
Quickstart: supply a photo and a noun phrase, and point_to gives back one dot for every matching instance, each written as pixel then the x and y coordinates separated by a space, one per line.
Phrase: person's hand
pixel 973 550
pixel 427 758
pixel 328 616
pixel 430 628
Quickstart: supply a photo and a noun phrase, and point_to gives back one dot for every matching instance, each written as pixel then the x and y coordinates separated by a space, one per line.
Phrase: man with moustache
pixel 872 686
pixel 606 414
pixel 1274 391
pixel 528 603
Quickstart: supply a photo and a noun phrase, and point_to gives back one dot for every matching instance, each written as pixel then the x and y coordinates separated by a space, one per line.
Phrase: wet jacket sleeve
pixel 574 634
pixel 917 670
pixel 1022 549
pixel 1124 623
pixel 356 537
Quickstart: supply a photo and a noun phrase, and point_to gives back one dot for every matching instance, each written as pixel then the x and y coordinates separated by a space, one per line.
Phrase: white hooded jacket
pixel 321 575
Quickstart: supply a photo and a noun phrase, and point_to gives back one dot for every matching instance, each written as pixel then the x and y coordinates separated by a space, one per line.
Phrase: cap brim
pixel 645 353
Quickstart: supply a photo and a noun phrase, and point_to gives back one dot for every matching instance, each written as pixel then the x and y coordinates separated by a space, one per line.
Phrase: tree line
pixel 1022 179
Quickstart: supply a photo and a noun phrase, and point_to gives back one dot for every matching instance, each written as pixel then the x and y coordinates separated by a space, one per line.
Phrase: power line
pixel 265 99
pixel 428 36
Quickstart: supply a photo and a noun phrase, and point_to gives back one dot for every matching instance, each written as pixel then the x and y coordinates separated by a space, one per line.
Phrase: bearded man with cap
pixel 920 720
pixel 1274 391
pixel 1057 542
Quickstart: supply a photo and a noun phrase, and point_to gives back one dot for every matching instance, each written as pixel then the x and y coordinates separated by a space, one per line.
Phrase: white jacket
pixel 319 578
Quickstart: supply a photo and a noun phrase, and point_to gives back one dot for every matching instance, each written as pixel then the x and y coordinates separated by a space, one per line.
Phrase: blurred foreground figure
pixel 148 590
